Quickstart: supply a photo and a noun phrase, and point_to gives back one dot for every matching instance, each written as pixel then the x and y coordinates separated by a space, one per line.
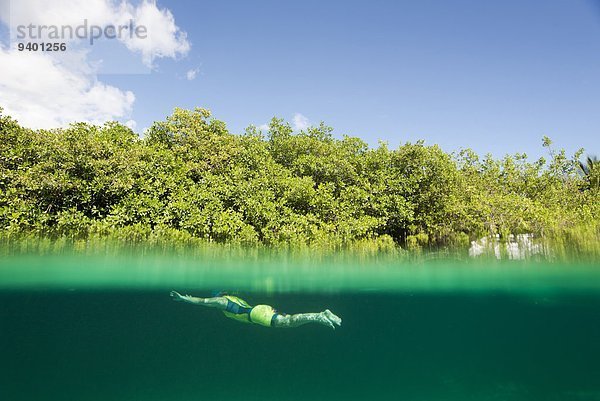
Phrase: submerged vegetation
pixel 189 181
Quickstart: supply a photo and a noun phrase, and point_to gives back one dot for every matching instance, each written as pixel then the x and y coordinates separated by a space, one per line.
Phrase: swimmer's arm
pixel 216 302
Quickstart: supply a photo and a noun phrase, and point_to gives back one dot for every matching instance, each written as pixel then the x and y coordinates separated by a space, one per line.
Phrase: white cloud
pixel 191 74
pixel 41 93
pixel 263 127
pixel 51 89
pixel 131 124
pixel 58 12
pixel 300 122
pixel 164 38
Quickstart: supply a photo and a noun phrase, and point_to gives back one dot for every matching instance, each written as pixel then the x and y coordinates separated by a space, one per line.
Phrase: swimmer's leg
pixel 326 318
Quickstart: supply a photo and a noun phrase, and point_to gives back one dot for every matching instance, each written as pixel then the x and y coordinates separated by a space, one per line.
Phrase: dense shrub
pixel 191 178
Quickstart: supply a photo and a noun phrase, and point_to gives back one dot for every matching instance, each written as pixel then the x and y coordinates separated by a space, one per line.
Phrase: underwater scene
pixel 103 327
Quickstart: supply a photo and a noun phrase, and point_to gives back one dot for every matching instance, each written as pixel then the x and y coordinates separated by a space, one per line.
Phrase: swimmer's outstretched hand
pixel 177 296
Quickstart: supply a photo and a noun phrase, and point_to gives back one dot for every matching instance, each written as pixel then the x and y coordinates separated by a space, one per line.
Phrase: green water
pixel 98 327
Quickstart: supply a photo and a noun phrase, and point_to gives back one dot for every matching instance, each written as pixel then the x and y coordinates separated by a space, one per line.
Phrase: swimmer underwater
pixel 264 315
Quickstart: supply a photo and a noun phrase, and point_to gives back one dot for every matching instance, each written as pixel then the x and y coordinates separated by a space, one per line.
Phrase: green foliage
pixel 191 180
pixel 591 172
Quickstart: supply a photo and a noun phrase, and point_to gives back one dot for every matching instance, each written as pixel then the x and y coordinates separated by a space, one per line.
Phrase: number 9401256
pixel 43 46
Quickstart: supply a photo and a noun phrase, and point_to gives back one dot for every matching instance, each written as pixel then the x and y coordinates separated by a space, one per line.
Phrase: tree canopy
pixel 190 176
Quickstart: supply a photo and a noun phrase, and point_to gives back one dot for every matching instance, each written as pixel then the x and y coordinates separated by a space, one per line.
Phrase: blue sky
pixel 493 76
